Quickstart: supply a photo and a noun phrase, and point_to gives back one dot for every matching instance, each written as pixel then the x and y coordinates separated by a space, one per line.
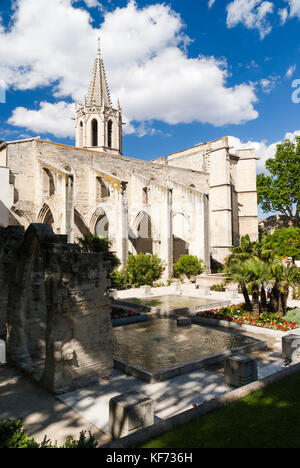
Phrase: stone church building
pixel 198 201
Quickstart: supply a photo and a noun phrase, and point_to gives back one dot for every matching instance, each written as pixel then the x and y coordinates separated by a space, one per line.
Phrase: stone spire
pixel 98 124
pixel 98 92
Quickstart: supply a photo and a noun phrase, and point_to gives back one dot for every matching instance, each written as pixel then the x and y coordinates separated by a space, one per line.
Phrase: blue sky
pixel 185 72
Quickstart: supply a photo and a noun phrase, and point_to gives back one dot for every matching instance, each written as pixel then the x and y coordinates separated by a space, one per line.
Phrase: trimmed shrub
pixel 143 269
pixel 293 316
pixel 119 279
pixel 189 266
pixel 218 287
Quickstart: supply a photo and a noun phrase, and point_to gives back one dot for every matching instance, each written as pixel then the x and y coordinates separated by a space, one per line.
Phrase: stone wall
pixel 6 195
pixel 206 193
pixel 58 315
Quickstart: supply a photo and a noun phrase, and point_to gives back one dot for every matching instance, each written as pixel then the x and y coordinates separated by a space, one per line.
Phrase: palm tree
pixel 237 272
pixel 94 244
pixel 251 249
pixel 252 273
pixel 259 274
pixel 283 277
pixel 252 265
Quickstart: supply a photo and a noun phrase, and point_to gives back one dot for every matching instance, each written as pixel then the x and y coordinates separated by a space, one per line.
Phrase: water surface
pixel 171 302
pixel 159 344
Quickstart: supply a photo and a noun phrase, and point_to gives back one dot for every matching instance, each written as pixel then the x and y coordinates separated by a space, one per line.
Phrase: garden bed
pixel 238 315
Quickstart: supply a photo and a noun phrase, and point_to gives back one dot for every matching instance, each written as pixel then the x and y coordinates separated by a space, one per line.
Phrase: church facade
pixel 198 201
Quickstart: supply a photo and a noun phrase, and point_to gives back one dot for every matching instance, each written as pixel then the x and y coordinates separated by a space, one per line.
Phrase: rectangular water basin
pixel 158 349
pixel 170 303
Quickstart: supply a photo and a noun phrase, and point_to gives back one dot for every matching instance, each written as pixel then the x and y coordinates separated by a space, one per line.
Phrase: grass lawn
pixel 268 418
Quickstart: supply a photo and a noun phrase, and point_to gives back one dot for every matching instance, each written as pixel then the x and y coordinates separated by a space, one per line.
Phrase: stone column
pixel 201 241
pixel 70 206
pixel 166 212
pixel 220 202
pixel 247 193
pixel 122 224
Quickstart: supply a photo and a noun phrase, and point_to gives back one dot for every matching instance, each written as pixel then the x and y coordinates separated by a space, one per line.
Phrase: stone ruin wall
pixel 54 312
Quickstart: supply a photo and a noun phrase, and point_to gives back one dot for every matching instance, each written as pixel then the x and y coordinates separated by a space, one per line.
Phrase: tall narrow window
pixel 48 183
pixel 81 134
pixel 94 132
pixel 109 133
pixel 145 195
pixel 102 189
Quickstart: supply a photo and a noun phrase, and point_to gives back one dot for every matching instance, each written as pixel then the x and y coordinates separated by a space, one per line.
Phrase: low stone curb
pixel 129 320
pixel 138 438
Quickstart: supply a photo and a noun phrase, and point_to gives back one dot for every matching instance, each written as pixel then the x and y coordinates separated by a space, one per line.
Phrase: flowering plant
pixel 117 313
pixel 240 315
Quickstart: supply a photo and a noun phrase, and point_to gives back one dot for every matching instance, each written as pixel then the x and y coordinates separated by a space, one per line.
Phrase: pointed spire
pixel 98 92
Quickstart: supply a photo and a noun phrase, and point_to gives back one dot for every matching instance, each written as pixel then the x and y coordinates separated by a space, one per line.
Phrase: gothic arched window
pixel 109 133
pixel 94 132
pixel 81 134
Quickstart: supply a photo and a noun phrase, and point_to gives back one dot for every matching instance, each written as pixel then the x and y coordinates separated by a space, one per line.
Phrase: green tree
pixel 284 242
pixel 279 192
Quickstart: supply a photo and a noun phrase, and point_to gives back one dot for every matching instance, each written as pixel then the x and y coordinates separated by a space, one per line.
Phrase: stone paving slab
pixel 171 397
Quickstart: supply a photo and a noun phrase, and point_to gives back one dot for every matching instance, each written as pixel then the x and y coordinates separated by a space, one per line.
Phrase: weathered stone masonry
pixel 58 316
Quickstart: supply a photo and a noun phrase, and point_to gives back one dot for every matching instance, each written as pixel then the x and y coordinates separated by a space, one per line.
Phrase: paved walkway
pixel 42 413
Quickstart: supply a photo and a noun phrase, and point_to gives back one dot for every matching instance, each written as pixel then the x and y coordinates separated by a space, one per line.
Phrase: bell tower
pixel 98 124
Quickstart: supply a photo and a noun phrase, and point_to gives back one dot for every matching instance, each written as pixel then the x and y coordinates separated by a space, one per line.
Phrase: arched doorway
pixel 45 216
pixel 141 238
pixel 102 226
pixel 180 236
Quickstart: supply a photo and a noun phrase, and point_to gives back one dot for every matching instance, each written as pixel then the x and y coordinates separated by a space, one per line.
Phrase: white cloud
pixel 291 70
pixel 283 13
pixel 294 8
pixel 211 3
pixel 252 14
pixel 262 149
pixel 92 3
pixel 268 84
pixel 49 118
pixel 147 66
pixel 293 11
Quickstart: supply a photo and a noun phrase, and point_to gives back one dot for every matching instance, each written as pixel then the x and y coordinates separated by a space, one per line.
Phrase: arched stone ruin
pixel 54 312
